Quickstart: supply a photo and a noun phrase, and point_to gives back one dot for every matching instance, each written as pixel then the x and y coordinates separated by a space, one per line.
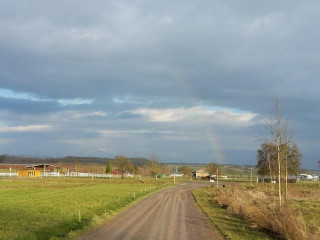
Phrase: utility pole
pixel 286 158
pixel 217 177
pixel 278 151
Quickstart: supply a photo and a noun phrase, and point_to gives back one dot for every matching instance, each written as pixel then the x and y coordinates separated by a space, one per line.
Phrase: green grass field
pixel 55 208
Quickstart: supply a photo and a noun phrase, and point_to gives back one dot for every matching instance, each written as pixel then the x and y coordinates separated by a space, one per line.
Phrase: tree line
pixel 154 168
pixel 126 165
pixel 9 159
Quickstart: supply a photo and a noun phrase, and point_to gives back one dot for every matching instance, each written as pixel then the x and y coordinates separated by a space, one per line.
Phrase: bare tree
pixel 154 167
pixel 266 164
pixel 212 168
pixel 185 170
pixel 267 159
pixel 279 136
pixel 166 169
pixel 123 164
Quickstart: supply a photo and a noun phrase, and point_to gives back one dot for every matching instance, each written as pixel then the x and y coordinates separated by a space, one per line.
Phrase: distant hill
pixel 69 159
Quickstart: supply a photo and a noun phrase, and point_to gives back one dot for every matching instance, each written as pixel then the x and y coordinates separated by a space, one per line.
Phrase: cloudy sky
pixel 189 81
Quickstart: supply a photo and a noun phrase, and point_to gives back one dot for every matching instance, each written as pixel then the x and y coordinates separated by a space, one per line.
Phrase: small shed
pixel 29 173
pixel 34 170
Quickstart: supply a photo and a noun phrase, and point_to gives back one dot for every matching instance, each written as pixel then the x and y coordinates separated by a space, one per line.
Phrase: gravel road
pixel 168 214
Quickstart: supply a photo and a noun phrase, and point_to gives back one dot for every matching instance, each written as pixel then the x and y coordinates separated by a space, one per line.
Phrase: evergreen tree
pixel 108 168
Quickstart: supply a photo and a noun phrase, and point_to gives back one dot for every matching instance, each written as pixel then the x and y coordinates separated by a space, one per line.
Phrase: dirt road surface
pixel 171 213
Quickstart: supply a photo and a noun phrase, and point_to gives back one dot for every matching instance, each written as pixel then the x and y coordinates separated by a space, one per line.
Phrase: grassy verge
pixel 257 204
pixel 55 208
pixel 229 225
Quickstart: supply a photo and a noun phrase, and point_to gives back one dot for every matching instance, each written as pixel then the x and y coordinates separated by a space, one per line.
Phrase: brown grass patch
pixel 261 208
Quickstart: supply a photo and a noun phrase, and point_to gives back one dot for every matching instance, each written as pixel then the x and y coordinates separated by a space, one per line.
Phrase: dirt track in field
pixel 171 213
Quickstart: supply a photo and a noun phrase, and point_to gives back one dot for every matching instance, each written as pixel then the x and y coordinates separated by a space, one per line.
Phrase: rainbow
pixel 217 151
pixel 218 156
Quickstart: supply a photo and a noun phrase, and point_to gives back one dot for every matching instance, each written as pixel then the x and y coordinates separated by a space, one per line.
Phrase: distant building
pixel 176 175
pixel 123 173
pixel 201 173
pixel 307 177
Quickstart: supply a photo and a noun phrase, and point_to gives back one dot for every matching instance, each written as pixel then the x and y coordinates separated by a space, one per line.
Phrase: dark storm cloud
pixel 93 66
pixel 134 48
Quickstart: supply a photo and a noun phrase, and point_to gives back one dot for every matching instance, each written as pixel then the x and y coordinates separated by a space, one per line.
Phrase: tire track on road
pixel 168 214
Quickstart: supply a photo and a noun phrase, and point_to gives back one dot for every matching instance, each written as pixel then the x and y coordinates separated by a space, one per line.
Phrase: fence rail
pixel 9 174
pixel 70 174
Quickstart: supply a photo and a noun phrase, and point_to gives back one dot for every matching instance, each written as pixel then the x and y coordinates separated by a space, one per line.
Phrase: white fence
pixel 5 175
pixel 79 174
pixel 98 175
pixel 70 174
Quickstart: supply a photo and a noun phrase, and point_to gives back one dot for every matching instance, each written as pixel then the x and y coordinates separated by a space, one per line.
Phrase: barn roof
pixel 202 170
pixel 40 166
